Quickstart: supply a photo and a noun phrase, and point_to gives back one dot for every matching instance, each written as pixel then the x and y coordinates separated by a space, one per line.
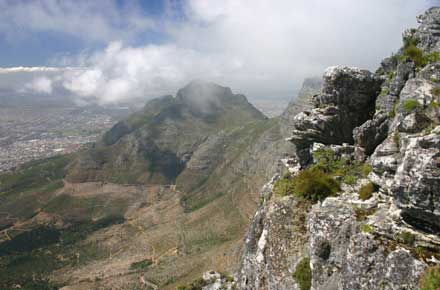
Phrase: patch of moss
pixel 303 274
pixel 430 280
pixel 366 228
pixel 366 191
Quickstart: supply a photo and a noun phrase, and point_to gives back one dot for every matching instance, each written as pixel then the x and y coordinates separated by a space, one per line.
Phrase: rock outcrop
pixel 346 101
pixel 389 237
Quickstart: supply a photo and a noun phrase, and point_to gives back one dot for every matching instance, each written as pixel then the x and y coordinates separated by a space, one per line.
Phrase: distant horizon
pixel 145 49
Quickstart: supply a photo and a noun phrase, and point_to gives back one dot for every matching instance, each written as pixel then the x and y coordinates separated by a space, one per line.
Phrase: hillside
pixel 109 215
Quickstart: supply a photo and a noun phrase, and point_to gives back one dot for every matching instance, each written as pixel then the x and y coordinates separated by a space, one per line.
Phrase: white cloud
pixel 86 20
pixel 41 85
pixel 260 48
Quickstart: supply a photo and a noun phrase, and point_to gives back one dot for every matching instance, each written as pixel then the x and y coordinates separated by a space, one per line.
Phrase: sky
pixel 108 51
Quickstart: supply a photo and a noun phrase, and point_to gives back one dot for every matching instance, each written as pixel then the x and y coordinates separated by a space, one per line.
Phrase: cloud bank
pixel 259 48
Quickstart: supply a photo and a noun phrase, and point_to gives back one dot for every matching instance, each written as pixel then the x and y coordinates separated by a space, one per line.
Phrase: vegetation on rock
pixel 406 238
pixel 303 274
pixel 366 228
pixel 410 105
pixel 366 191
pixel 430 280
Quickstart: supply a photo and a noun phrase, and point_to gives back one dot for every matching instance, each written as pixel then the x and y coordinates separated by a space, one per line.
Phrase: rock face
pixel 428 32
pixel 274 243
pixel 387 239
pixel 346 101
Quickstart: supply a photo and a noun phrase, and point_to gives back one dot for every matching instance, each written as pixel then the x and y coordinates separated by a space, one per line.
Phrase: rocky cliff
pixel 358 206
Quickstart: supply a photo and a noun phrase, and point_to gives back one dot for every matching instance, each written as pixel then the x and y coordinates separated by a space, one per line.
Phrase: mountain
pixel 165 194
pixel 358 207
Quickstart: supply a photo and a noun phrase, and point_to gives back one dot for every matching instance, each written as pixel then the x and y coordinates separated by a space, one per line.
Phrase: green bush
pixel 414 53
pixel 141 265
pixel 283 187
pixel 406 238
pixel 350 179
pixel 410 105
pixel 366 169
pixel 436 92
pixel 384 91
pixel 430 280
pixel 314 184
pixel 303 274
pixel 433 57
pixel 327 161
pixel 396 138
pixel 366 191
pixel 310 184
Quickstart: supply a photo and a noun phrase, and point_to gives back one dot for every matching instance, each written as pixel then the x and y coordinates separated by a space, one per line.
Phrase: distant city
pixel 27 134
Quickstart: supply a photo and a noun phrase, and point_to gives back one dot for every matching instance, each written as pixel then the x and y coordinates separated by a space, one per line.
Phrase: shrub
pixel 141 265
pixel 406 238
pixel 303 274
pixel 284 186
pixel 430 280
pixel 366 169
pixel 436 92
pixel 327 161
pixel 350 179
pixel 414 53
pixel 410 105
pixel 362 214
pixel 396 138
pixel 384 91
pixel 314 184
pixel 433 57
pixel 366 191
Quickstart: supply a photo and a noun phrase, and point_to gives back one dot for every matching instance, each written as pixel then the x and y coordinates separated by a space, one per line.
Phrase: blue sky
pixel 110 50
